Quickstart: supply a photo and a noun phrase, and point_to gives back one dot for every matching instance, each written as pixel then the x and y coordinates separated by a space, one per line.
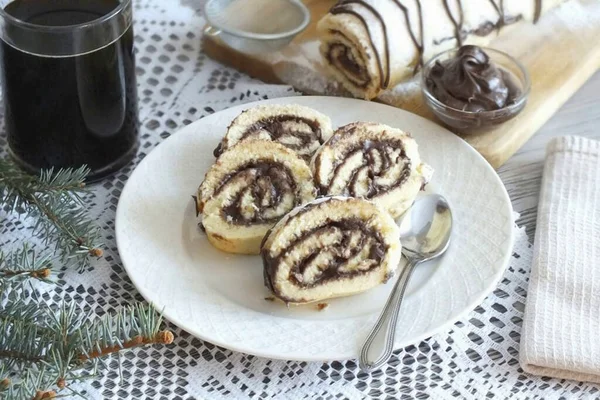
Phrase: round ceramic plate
pixel 220 297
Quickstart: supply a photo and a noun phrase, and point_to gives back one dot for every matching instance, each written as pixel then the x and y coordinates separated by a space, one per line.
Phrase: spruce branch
pixel 26 387
pixel 54 200
pixel 135 326
pixel 20 305
pixel 24 263
pixel 15 182
pixel 21 343
pixel 45 348
pixel 59 218
pixel 67 343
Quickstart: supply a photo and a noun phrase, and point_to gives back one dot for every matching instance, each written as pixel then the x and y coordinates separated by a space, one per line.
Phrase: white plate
pixel 220 297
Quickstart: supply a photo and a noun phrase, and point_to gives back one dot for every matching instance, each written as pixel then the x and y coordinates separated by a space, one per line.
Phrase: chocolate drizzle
pixel 537 12
pixel 266 184
pixel 420 45
pixel 342 7
pixel 503 19
pixel 458 24
pixel 499 7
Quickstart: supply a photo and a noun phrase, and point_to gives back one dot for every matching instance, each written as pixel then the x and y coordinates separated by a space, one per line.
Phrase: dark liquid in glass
pixel 70 111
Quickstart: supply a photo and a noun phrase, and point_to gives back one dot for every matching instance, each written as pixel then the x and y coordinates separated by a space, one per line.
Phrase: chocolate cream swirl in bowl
pixel 469 81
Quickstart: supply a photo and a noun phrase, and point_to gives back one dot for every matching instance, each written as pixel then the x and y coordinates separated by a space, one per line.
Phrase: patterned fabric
pixel 179 84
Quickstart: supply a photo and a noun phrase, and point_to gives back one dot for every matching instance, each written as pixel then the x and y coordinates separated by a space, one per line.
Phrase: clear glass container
pixel 68 83
pixel 469 122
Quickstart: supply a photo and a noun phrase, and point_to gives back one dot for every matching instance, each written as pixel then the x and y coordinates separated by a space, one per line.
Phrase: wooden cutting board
pixel 560 52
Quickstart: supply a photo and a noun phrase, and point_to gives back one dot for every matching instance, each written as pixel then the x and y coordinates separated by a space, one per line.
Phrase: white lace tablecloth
pixel 178 84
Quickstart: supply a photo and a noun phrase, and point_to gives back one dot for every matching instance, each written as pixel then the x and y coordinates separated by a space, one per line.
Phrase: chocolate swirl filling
pixel 336 250
pixel 300 134
pixel 341 56
pixel 261 192
pixel 367 169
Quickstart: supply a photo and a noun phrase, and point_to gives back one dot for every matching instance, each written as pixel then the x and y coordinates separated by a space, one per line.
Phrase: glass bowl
pixel 473 122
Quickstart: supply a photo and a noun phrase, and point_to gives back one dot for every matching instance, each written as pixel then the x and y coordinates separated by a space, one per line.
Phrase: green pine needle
pixel 65 345
pixel 45 348
pixel 54 200
pixel 24 263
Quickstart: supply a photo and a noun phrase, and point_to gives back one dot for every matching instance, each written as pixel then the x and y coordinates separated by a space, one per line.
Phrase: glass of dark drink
pixel 68 83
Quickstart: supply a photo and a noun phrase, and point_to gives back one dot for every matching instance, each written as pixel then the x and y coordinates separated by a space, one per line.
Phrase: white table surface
pixel 522 173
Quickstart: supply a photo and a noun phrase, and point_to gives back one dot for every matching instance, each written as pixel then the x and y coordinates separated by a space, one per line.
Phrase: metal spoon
pixel 425 234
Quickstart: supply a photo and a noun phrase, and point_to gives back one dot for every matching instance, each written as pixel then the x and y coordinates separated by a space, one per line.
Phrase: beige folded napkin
pixel 561 326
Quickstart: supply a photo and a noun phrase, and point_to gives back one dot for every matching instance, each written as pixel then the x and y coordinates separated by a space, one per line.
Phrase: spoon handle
pixel 389 314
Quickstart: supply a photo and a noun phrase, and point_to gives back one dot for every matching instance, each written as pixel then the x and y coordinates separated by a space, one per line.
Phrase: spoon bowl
pixel 426 228
pixel 425 231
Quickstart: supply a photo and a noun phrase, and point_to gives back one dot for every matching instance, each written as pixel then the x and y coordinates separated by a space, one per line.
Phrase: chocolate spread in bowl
pixel 471 82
